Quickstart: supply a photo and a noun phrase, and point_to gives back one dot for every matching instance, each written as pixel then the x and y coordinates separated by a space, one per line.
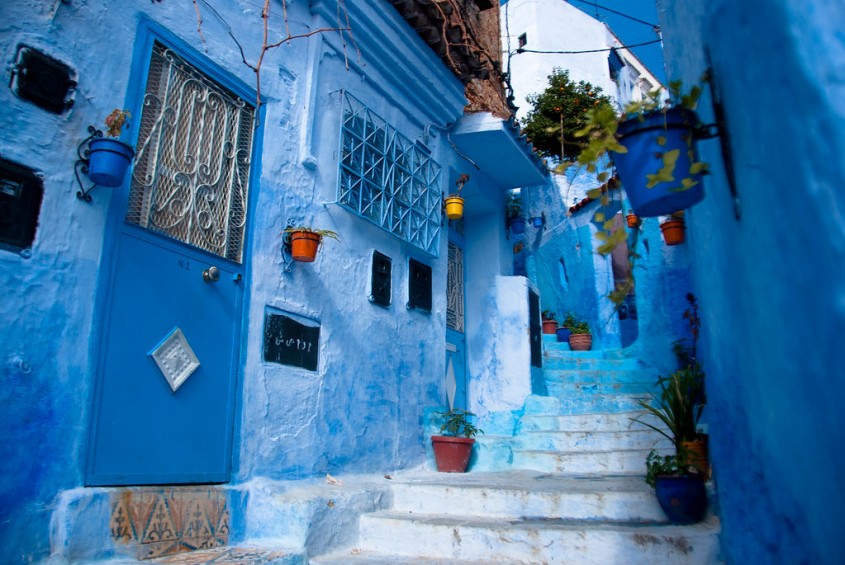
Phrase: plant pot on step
pixel 580 342
pixel 452 453
pixel 549 327
pixel 682 497
pixel 563 334
pixel 454 207
pixel 648 138
pixel 673 231
pixel 697 454
pixel 108 161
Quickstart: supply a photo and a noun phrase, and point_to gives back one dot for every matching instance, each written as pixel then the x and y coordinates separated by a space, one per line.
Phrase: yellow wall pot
pixel 454 207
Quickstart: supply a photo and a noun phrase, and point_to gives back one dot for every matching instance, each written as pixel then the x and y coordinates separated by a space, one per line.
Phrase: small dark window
pixel 419 286
pixel 523 40
pixel 380 283
pixel 20 202
pixel 535 329
pixel 42 80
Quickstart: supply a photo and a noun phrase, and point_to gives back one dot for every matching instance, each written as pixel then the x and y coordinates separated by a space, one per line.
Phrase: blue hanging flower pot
pixel 108 161
pixel 660 172
pixel 517 225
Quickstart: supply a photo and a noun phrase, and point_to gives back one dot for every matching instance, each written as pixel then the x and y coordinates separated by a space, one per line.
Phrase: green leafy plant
pixel 116 121
pixel 458 423
pixel 662 465
pixel 513 205
pixel 559 112
pixel 569 320
pixel 575 325
pixel 322 233
pixel 548 315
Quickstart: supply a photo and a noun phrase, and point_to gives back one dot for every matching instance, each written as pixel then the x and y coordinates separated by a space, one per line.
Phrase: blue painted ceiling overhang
pixel 497 147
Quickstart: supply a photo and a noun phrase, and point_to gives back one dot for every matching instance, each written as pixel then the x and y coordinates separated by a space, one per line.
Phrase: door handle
pixel 211 274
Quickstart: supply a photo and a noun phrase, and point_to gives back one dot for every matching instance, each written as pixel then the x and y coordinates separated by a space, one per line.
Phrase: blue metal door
pixel 164 404
pixel 456 372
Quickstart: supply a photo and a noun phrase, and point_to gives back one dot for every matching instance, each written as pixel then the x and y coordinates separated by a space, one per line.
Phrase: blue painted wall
pixel 362 410
pixel 771 284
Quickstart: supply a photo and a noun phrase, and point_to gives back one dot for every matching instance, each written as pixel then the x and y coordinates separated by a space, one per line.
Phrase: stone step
pixel 225 555
pixel 537 540
pixel 603 376
pixel 592 441
pixel 518 494
pixel 554 360
pixel 616 462
pixel 354 556
pixel 566 389
pixel 616 422
pixel 599 403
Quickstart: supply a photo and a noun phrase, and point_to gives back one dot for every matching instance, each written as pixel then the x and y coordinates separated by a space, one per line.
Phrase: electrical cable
pixel 632 18
pixel 588 50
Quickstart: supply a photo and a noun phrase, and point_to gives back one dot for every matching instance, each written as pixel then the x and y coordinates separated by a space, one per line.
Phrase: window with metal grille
pixel 191 174
pixel 388 179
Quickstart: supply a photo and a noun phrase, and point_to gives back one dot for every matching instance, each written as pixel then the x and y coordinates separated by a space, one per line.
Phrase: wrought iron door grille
pixel 455 289
pixel 388 179
pixel 191 174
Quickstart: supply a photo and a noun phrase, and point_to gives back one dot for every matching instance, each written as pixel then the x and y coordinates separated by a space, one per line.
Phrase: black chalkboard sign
pixel 289 342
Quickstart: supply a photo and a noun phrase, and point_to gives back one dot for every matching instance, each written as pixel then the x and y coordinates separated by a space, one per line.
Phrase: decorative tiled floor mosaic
pixel 160 522
pixel 225 556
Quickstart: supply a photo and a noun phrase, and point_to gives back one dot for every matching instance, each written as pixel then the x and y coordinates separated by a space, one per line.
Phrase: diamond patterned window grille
pixel 388 179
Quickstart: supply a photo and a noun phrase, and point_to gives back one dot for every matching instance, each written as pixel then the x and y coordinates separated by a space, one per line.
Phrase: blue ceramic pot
pixel 108 161
pixel 683 497
pixel 563 335
pixel 645 156
pixel 517 225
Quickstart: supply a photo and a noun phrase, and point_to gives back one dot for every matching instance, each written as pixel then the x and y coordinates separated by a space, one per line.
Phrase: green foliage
pixel 548 315
pixel 560 111
pixel 657 465
pixel 321 233
pixel 457 423
pixel 575 325
pixel 513 205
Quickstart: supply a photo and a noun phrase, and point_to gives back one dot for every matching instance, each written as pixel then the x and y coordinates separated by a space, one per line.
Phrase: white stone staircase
pixel 566 487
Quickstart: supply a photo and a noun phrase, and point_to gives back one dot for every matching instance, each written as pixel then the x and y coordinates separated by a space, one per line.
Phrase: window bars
pixel 191 174
pixel 388 179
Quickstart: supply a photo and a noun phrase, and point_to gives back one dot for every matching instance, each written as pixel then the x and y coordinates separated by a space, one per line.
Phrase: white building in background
pixel 556 25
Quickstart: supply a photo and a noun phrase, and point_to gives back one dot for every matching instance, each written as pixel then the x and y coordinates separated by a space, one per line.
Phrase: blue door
pixel 165 394
pixel 456 372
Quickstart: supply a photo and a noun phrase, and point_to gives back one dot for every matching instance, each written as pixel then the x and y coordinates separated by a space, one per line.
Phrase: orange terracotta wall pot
pixel 303 245
pixel 633 221
pixel 580 342
pixel 673 232
pixel 549 327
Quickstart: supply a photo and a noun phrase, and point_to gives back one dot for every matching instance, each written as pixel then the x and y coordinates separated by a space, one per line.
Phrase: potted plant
pixel 108 158
pixel 633 220
pixel 679 487
pixel 452 449
pixel 565 329
pixel 513 207
pixel 653 148
pixel 454 203
pixel 305 241
pixel 673 228
pixel 580 338
pixel 549 322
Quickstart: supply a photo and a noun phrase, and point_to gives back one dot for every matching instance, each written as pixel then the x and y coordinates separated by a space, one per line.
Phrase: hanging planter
pixel 517 225
pixel 673 231
pixel 454 207
pixel 633 220
pixel 304 242
pixel 660 170
pixel 108 161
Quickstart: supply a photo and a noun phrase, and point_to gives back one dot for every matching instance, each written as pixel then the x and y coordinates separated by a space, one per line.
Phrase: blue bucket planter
pixel 645 156
pixel 108 161
pixel 517 225
pixel 682 497
pixel 563 335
